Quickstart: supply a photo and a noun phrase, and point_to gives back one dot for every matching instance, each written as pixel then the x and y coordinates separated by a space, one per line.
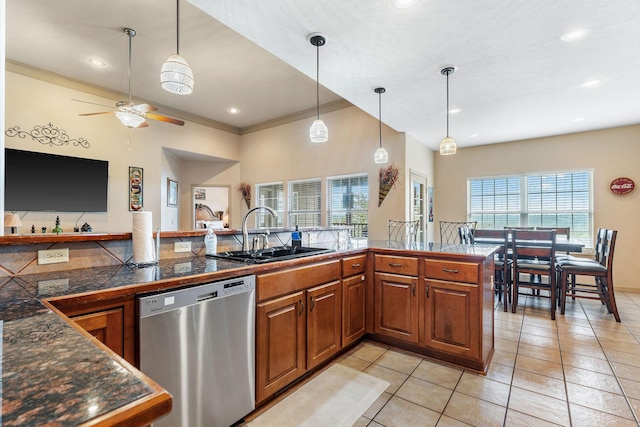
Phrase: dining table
pixel 562 243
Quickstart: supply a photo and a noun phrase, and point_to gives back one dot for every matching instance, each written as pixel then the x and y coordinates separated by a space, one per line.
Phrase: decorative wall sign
pixel 172 192
pixel 387 179
pixel 135 188
pixel 47 135
pixel 622 186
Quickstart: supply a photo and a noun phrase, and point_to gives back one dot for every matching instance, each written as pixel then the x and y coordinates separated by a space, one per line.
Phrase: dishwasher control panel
pixel 159 303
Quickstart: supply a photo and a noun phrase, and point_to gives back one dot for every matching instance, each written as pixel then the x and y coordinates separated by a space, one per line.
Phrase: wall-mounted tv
pixel 47 182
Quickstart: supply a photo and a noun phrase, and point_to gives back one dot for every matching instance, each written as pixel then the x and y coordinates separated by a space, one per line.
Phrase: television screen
pixel 48 182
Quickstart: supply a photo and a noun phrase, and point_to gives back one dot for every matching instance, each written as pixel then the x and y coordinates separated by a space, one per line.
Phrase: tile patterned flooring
pixel 583 369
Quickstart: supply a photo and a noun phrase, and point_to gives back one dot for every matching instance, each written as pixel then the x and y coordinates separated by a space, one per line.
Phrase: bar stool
pixel 600 268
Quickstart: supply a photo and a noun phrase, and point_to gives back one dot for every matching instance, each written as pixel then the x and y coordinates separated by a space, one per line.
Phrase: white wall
pixel 611 153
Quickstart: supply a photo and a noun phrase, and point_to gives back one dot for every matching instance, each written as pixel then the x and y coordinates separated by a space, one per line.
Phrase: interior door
pixel 418 191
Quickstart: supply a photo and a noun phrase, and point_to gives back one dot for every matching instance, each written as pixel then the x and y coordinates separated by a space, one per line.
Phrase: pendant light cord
pixel 380 116
pixel 177 27
pixel 318 82
pixel 448 103
pixel 130 35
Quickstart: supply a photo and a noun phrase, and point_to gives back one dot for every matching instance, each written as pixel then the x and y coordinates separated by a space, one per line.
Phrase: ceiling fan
pixel 131 115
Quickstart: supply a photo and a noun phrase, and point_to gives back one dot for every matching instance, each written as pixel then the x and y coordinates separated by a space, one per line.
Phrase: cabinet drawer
pixel 451 270
pixel 354 265
pixel 396 264
pixel 271 285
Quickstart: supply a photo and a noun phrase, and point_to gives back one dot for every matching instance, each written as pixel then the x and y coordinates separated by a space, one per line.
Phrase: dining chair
pixel 560 231
pixel 404 232
pixel 534 264
pixel 501 262
pixel 455 232
pixel 600 268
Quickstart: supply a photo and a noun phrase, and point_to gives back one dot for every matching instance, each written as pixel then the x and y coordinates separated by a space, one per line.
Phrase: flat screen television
pixel 48 182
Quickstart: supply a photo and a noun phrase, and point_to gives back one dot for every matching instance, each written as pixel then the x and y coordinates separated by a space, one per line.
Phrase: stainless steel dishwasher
pixel 199 344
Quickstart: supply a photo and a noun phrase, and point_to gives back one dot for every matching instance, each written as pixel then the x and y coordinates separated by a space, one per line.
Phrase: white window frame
pixel 294 209
pixel 263 218
pixel 360 230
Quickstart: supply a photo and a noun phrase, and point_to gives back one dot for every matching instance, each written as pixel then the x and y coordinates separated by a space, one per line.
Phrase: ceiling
pixel 515 78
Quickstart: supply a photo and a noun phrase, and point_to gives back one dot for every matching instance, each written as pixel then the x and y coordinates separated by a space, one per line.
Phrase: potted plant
pixel 245 190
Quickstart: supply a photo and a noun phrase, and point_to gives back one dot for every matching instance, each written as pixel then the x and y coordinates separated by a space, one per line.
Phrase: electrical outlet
pixel 53 256
pixel 181 247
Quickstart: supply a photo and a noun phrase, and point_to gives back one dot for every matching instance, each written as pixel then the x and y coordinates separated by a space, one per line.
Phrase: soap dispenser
pixel 296 238
pixel 211 242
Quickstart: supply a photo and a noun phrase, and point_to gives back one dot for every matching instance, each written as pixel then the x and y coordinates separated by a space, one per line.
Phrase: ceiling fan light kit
pixel 319 131
pixel 448 145
pixel 176 75
pixel 381 155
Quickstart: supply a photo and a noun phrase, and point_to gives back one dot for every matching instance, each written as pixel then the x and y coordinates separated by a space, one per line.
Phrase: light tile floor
pixel 583 369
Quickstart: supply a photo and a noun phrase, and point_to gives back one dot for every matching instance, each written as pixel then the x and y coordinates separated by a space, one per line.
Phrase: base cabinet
pixel 396 311
pixel 323 323
pixel 106 326
pixel 281 346
pixel 353 308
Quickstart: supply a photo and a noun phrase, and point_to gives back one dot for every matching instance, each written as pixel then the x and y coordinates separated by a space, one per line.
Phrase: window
pixel 304 202
pixel 271 195
pixel 348 203
pixel 541 199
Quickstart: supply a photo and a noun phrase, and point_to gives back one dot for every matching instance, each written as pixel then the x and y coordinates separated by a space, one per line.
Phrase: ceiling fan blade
pixel 162 118
pixel 92 103
pixel 144 108
pixel 143 125
pixel 95 114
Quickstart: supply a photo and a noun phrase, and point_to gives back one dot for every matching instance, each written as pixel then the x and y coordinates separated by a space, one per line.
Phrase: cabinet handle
pixel 301 307
pixel 446 270
pixel 426 290
pixel 413 288
pixel 395 264
pixel 313 304
pixel 355 265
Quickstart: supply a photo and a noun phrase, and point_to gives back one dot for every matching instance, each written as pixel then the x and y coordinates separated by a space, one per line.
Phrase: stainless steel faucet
pixel 245 233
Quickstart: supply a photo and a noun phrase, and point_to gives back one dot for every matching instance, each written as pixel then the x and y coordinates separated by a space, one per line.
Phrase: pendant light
pixel 176 75
pixel 381 155
pixel 318 132
pixel 447 145
pixel 125 113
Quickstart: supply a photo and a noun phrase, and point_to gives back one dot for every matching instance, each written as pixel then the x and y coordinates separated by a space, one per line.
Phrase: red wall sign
pixel 622 186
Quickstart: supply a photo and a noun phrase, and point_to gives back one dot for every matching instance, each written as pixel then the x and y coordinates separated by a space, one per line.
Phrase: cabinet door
pixel 396 306
pixel 451 318
pixel 323 322
pixel 280 343
pixel 353 308
pixel 107 326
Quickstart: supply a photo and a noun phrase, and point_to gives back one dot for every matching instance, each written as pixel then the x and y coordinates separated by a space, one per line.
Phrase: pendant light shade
pixel 381 155
pixel 319 131
pixel 176 75
pixel 447 145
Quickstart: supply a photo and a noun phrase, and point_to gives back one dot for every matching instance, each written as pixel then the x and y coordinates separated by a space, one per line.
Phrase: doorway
pixel 418 191
pixel 210 206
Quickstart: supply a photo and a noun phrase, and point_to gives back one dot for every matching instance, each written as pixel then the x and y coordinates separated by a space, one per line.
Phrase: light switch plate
pixel 181 247
pixel 53 256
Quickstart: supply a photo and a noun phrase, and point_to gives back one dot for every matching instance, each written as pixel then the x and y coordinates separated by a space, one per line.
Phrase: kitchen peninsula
pixel 436 300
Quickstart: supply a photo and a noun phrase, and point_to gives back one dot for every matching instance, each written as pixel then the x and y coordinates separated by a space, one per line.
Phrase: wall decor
pixel 622 186
pixel 430 202
pixel 200 193
pixel 172 192
pixel 245 190
pixel 135 188
pixel 47 135
pixel 387 179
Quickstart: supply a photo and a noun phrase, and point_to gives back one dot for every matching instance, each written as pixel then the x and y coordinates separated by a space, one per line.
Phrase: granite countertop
pixel 53 374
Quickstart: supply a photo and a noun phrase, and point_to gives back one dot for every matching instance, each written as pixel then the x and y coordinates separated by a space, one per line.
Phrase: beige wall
pixel 34 102
pixel 611 153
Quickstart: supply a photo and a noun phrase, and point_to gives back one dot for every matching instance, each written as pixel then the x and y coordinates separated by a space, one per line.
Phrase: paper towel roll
pixel 142 238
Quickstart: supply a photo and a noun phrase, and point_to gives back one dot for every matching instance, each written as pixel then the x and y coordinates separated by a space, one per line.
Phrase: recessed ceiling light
pixel 454 110
pixel 97 62
pixel 592 82
pixel 475 135
pixel 403 4
pixel 574 35
pixel 578 119
pixel 233 110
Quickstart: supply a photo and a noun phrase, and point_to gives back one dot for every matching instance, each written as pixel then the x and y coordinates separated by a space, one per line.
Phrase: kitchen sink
pixel 278 253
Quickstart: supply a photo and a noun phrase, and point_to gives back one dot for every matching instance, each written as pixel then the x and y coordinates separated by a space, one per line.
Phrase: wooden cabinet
pixel 111 322
pixel 396 306
pixel 298 330
pixel 323 323
pixel 280 343
pixel 354 290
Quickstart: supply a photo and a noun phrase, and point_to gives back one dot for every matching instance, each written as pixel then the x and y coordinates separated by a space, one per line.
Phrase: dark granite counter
pixel 53 374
